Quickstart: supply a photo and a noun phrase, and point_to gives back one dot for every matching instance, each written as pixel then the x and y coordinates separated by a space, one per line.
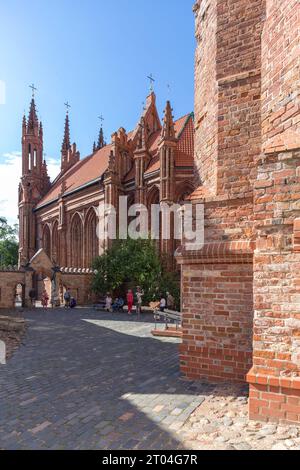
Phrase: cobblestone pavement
pixel 221 423
pixel 89 380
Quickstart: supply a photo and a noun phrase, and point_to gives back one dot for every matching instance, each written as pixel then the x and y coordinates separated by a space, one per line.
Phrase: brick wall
pixel 206 92
pixel 227 94
pixel 218 317
pixel 280 76
pixel 275 376
pixel 8 284
pixel 218 280
pixel 239 81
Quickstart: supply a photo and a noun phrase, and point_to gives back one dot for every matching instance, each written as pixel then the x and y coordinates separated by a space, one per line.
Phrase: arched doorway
pixel 77 242
pixel 19 296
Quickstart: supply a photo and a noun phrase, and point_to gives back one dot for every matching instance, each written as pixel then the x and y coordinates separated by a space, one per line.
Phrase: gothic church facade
pixel 152 164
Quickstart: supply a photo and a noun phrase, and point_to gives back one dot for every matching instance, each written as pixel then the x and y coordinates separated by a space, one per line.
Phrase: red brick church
pixel 151 164
pixel 241 290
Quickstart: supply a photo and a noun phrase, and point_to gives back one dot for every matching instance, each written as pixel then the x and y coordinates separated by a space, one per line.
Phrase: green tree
pixel 131 263
pixel 8 244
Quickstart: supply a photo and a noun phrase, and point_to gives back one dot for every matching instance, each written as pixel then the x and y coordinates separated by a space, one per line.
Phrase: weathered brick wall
pixel 217 280
pixel 280 76
pixel 227 94
pixel 239 81
pixel 206 94
pixel 275 377
pixel 276 357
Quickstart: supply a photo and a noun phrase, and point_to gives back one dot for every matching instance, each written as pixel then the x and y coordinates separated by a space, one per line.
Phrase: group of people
pixel 118 304
pixel 70 302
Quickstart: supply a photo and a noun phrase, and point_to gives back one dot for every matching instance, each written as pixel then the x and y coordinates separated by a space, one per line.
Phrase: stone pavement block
pixel 77 395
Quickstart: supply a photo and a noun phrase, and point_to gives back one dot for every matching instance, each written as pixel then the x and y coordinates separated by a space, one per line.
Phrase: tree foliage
pixel 131 263
pixel 8 244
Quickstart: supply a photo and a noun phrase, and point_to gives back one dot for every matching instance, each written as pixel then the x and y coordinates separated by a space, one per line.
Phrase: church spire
pixel 33 122
pixel 101 142
pixel 69 153
pixel 168 130
pixel 66 140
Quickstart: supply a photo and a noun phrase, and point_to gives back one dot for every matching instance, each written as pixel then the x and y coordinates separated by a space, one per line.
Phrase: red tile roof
pixel 184 129
pixel 86 171
pixel 91 168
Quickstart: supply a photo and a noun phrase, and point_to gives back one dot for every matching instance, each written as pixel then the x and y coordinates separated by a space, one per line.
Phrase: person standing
pixel 162 304
pixel 108 302
pixel 170 301
pixel 129 301
pixel 139 296
pixel 45 299
pixel 32 296
pixel 67 298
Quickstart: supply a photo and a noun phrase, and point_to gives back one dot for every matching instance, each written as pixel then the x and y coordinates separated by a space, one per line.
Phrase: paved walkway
pixel 89 380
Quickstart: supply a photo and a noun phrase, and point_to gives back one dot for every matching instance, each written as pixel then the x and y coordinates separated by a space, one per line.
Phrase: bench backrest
pixel 173 314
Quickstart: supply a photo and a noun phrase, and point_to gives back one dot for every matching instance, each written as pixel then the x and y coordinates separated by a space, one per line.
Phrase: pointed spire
pixel 41 131
pixel 94 147
pixel 168 130
pixel 24 124
pixel 101 142
pixel 32 117
pixel 66 142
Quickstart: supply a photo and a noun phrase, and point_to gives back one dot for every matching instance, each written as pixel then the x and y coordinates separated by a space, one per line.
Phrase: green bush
pixel 131 263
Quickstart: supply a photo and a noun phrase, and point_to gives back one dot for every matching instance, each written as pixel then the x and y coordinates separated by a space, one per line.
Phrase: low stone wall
pixel 9 279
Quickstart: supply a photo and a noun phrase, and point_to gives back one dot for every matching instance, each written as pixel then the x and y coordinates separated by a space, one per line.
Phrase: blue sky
pixel 95 54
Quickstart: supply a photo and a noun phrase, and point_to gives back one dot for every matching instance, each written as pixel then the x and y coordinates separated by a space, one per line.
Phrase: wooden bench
pixel 168 316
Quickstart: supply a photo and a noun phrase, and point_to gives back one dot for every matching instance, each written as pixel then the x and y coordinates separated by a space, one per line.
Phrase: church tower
pixel 34 182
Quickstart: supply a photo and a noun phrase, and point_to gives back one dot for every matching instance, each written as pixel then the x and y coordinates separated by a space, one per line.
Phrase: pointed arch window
pixel 55 244
pixel 91 239
pixel 29 157
pixel 77 242
pixel 47 240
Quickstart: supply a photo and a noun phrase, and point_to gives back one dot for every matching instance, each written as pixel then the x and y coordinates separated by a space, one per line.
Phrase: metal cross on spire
pixel 152 80
pixel 101 119
pixel 68 106
pixel 33 89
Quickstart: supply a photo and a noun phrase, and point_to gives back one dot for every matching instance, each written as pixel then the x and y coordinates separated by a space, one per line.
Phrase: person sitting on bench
pixel 118 305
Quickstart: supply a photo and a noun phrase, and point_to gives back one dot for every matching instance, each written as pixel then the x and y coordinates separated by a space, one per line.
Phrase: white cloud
pixel 10 172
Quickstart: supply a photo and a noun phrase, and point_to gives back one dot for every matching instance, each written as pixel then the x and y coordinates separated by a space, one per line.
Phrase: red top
pixel 130 297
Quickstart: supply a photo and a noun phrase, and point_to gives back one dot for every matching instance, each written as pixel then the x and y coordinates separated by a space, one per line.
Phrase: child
pixel 45 299
pixel 130 301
